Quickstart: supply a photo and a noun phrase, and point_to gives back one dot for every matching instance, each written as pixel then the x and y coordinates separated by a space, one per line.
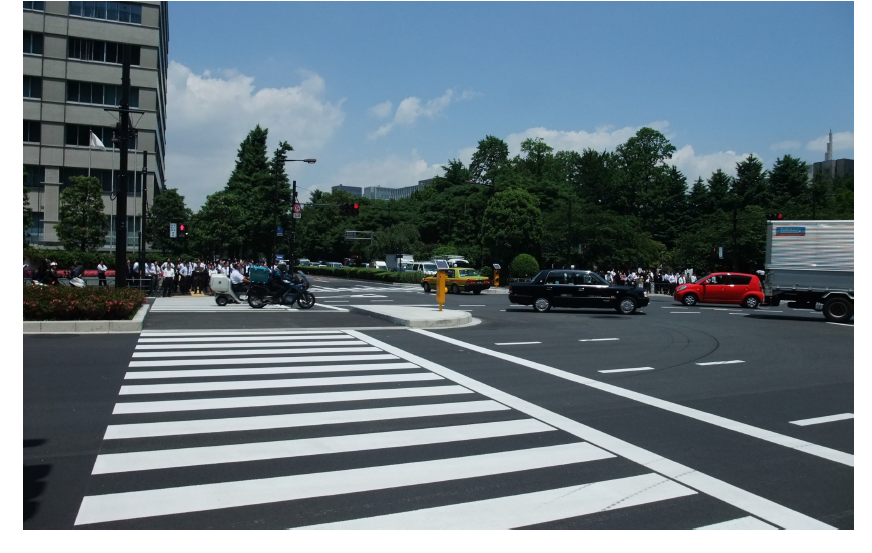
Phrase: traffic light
pixel 351 210
pixel 183 230
pixel 775 216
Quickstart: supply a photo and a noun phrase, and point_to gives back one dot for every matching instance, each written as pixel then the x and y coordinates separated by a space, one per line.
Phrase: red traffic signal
pixel 775 216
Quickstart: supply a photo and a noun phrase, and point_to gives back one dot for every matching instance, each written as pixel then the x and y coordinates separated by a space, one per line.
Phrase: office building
pixel 353 190
pixel 829 166
pixel 385 193
pixel 72 74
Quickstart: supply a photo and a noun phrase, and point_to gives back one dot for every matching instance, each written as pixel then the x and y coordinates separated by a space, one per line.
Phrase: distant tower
pixel 829 154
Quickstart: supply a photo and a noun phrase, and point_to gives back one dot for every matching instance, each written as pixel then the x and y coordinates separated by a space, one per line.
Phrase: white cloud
pixel 392 171
pixel 693 166
pixel 382 110
pixel 841 141
pixel 603 138
pixel 412 108
pixel 210 116
pixel 785 146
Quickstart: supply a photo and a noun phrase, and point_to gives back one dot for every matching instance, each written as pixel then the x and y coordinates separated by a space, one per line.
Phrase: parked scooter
pixel 260 295
pixel 224 292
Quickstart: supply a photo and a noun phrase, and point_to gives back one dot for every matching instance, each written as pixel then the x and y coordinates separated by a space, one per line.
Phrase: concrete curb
pixel 415 317
pixel 89 327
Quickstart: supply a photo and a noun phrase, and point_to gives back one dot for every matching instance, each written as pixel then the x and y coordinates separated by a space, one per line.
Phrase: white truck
pixel 810 264
pixel 395 261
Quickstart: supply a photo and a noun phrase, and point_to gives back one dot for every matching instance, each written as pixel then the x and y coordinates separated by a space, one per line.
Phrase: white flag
pixel 95 142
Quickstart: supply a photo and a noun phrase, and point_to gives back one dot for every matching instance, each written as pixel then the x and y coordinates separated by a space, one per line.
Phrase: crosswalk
pixel 323 429
pixel 184 304
pixel 362 289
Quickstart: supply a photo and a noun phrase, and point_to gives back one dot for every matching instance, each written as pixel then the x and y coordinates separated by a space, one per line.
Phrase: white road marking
pixel 514 343
pixel 162 334
pixel 746 314
pixel 335 301
pixel 820 420
pixel 599 340
pixel 744 523
pixel 331 307
pixel 721 362
pixel 204 497
pixel 773 311
pixel 349 349
pixel 684 312
pixel 840 324
pixel 627 370
pixel 723 422
pixel 748 502
pixel 237 453
pixel 189 387
pixel 228 345
pixel 672 307
pixel 473 305
pixel 266 422
pixel 515 511
pixel 200 373
pixel 260 360
pixel 272 400
pixel 250 338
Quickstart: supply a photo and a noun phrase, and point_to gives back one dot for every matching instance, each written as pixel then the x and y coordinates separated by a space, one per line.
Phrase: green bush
pixel 61 303
pixel 487 271
pixel 524 266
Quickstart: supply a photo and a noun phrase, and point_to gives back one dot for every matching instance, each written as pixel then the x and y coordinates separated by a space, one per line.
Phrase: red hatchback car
pixel 736 288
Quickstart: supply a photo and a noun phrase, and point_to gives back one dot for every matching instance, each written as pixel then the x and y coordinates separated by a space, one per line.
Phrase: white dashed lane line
pixel 599 339
pixel 514 343
pixel 721 362
pixel 820 420
pixel 627 370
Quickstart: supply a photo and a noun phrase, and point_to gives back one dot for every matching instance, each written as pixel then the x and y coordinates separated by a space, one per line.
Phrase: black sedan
pixel 571 288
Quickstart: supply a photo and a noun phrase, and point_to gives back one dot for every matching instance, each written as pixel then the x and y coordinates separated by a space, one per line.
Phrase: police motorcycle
pixel 266 290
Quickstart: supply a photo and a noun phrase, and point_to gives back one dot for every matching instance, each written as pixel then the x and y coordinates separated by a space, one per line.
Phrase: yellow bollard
pixel 440 288
pixel 496 278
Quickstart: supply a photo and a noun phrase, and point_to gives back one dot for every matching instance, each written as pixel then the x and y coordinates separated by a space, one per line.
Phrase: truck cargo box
pixel 810 255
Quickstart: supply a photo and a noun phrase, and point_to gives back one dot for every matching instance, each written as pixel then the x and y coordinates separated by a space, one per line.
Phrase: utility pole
pixel 569 234
pixel 121 210
pixel 144 212
pixel 735 226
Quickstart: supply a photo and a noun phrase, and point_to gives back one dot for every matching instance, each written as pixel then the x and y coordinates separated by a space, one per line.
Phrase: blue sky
pixel 387 93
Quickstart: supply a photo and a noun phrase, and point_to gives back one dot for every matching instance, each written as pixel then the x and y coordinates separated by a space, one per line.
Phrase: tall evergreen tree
pixel 788 181
pixel 82 224
pixel 749 186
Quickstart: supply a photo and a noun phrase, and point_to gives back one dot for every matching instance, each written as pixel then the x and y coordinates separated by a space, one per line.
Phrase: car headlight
pixel 682 287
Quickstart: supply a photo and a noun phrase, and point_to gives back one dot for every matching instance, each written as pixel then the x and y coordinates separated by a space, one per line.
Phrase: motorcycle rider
pixel 237 279
pixel 282 280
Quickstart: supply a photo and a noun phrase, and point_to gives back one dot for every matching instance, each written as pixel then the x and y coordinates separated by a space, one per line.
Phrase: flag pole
pixel 90 141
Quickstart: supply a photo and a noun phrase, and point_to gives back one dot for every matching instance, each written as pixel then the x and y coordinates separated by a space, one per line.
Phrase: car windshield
pixel 699 280
pixel 593 278
pixel 429 267
pixel 468 272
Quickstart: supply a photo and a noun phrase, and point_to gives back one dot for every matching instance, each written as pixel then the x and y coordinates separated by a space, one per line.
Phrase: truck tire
pixel 838 310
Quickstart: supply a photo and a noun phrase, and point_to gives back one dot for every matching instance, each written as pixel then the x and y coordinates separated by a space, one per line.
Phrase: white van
pixel 427 267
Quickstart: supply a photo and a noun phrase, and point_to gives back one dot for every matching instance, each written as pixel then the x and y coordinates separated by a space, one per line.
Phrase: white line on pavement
pixel 334 307
pixel 204 497
pixel 751 503
pixel 721 362
pixel 514 343
pixel 599 340
pixel 820 420
pixel 228 345
pixel 236 453
pixel 473 305
pixel 251 338
pixel 627 370
pixel 515 511
pixel 348 349
pixel 266 422
pixel 744 523
pixel 251 371
pixel 723 422
pixel 840 324
pixel 160 334
pixel 261 360
pixel 684 312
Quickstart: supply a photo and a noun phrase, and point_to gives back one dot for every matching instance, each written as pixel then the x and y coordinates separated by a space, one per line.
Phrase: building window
pixel 32 43
pixel 31 131
pixel 33 235
pixel 125 12
pixel 98 50
pixel 32 87
pixel 80 135
pixel 35 176
pixel 35 6
pixel 98 93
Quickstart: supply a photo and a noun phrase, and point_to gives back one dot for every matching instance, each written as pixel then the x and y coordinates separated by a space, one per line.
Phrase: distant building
pixel 353 190
pixel 832 167
pixel 385 193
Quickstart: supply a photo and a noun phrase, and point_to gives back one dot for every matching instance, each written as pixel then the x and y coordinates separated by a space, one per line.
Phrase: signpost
pixel 298 211
pixel 173 230
pixel 280 232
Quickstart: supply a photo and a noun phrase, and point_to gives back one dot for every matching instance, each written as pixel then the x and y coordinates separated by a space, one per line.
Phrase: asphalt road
pixel 669 418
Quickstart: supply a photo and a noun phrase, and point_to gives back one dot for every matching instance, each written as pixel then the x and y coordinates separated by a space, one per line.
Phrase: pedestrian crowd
pixel 654 281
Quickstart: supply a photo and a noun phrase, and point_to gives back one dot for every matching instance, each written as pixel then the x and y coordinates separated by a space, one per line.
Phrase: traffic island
pixel 81 327
pixel 415 317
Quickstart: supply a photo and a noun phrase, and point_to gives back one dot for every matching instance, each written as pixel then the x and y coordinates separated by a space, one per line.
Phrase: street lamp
pixel 293 200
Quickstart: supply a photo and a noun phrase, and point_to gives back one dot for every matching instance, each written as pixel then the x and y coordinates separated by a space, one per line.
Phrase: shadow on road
pixel 34 482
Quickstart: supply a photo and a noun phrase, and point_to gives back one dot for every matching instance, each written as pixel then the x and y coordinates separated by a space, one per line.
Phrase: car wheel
pixel 476 292
pixel 626 306
pixel 690 300
pixel 426 287
pixel 455 289
pixel 838 310
pixel 221 300
pixel 751 302
pixel 542 305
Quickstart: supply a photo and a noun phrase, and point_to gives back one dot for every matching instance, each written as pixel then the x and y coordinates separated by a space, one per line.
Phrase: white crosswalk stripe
pixel 207 304
pixel 368 422
pixel 363 289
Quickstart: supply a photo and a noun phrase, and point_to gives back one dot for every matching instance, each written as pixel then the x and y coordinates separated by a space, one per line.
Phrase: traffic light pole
pixel 144 212
pixel 121 208
pixel 293 228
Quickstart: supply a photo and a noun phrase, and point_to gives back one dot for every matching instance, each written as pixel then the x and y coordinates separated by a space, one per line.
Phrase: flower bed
pixel 61 303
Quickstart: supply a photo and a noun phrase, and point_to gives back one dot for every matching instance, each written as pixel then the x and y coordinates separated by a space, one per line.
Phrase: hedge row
pixel 62 303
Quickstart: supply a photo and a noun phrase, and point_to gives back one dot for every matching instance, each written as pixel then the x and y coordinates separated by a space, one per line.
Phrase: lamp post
pixel 293 201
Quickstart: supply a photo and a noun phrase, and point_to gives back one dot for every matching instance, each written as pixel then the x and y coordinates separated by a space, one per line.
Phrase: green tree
pixel 28 218
pixel 512 223
pixel 167 207
pixel 749 186
pixel 719 186
pixel 524 266
pixel 82 224
pixel 788 181
pixel 641 161
pixel 491 155
pixel 215 229
pixel 400 238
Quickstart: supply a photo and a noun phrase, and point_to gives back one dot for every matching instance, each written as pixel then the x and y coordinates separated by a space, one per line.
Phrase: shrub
pixel 61 303
pixel 524 266
pixel 487 271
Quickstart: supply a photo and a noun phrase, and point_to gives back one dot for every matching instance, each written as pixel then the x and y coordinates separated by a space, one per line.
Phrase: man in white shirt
pixel 168 276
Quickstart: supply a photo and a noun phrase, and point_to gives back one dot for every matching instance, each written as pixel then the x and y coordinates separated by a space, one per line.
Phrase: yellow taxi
pixel 459 280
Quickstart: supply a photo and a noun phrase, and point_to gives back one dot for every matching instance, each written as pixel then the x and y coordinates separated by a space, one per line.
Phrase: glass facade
pixel 124 12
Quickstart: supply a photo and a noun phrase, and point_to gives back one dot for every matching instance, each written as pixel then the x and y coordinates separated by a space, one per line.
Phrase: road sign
pixel 298 208
pixel 720 252
pixel 280 232
pixel 173 232
pixel 298 215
